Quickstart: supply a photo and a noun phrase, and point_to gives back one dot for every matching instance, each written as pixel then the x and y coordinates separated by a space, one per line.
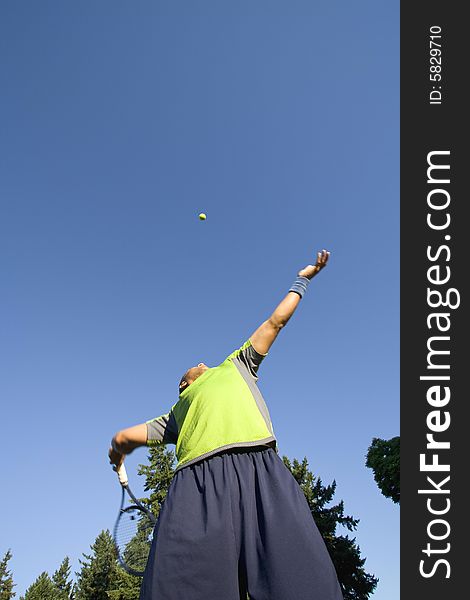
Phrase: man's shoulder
pixel 243 349
pixel 246 356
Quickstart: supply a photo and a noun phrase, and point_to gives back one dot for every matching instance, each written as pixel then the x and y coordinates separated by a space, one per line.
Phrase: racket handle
pixel 122 475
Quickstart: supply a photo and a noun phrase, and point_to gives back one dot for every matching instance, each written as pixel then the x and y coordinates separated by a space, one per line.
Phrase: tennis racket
pixel 133 530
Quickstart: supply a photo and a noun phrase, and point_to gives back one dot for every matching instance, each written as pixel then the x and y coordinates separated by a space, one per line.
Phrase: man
pixel 234 521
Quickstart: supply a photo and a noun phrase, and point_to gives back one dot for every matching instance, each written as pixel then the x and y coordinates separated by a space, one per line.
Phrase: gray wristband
pixel 300 285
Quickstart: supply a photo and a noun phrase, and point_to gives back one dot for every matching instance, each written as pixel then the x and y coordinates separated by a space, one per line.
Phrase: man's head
pixel 191 375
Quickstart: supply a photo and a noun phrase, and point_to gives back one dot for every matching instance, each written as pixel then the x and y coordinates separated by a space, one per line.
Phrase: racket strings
pixel 133 538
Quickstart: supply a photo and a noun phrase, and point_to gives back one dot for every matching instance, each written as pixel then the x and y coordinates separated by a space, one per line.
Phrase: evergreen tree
pixel 125 587
pixel 6 578
pixel 158 474
pixel 345 554
pixel 62 581
pixel 99 572
pixel 383 457
pixel 42 589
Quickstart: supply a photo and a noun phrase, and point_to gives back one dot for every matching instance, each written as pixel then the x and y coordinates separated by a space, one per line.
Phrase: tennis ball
pixel 202 216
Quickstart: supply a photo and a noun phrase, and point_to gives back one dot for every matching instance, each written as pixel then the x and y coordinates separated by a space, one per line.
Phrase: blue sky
pixel 120 123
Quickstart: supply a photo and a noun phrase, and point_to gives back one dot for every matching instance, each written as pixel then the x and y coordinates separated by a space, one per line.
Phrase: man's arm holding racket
pixel 263 338
pixel 125 441
pixel 161 430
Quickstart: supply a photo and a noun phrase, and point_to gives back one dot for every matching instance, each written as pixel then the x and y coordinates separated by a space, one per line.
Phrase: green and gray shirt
pixel 223 408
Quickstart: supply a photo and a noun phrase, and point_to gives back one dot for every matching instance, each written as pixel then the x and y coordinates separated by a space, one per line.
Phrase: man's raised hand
pixel 311 270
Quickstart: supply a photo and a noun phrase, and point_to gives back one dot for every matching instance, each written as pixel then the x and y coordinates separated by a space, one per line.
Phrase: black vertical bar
pixel 435 254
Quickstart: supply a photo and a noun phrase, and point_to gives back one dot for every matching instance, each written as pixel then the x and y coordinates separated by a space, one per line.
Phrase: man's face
pixel 191 375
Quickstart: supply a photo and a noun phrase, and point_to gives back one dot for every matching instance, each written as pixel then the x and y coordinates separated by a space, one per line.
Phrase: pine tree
pixel 42 589
pixel 6 578
pixel 125 587
pixel 345 554
pixel 99 572
pixel 62 581
pixel 158 474
pixel 383 457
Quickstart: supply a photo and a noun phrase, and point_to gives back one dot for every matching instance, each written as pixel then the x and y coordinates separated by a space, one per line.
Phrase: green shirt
pixel 223 408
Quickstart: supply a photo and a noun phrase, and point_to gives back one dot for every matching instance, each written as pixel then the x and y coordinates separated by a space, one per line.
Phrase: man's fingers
pixel 115 458
pixel 322 258
pixel 311 270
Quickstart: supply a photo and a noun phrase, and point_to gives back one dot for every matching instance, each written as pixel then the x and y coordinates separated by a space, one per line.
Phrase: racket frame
pixel 123 480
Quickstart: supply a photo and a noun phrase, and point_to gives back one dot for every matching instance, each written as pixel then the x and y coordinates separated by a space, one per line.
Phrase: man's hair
pixel 183 384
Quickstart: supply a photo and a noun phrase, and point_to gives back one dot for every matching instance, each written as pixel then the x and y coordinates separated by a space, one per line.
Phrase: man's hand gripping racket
pixel 133 530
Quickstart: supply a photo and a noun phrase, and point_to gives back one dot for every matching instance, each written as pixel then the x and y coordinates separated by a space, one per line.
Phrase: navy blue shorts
pixel 234 523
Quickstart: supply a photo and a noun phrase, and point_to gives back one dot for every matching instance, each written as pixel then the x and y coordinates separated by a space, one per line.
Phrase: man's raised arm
pixel 263 338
